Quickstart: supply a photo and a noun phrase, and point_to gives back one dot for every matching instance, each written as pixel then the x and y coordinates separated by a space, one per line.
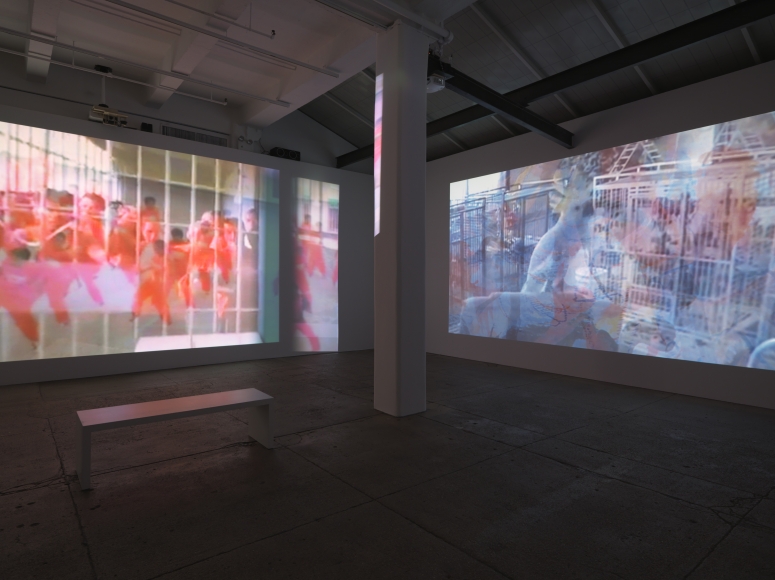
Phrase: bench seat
pixel 259 423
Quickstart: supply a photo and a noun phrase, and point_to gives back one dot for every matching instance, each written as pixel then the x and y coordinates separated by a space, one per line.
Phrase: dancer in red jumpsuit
pixel 304 298
pixel 57 253
pixel 151 275
pixel 90 243
pixel 202 252
pixel 20 286
pixel 122 242
pixel 178 261
pixel 149 211
pixel 313 247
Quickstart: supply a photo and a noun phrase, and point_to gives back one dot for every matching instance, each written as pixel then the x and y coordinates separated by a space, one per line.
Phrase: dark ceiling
pixel 507 44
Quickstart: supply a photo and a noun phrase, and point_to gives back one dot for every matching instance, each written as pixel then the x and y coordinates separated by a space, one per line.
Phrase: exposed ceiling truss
pixel 737 17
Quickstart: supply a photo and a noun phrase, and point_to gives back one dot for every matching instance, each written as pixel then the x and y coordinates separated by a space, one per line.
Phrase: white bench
pixel 259 423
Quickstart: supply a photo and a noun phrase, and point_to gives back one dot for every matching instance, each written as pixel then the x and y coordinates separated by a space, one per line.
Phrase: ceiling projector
pixel 435 83
pixel 107 116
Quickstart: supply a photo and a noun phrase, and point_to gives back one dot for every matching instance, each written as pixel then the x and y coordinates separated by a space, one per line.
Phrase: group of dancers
pixel 52 248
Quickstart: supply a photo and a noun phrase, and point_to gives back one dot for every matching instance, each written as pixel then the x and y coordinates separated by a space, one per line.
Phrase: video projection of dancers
pixel 317 266
pixel 109 248
pixel 661 248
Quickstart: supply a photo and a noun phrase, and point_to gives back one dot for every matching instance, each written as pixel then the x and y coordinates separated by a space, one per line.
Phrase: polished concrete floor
pixel 509 474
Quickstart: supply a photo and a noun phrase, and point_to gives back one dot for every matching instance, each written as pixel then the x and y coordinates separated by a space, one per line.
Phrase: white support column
pixel 399 248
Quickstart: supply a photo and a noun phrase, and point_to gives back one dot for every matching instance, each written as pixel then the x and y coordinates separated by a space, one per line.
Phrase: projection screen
pixel 107 247
pixel 316 227
pixel 661 248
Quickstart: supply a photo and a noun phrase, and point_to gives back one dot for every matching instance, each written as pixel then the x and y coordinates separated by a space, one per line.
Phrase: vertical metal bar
pixel 463 269
pixel 484 247
pixel 239 242
pixel 41 212
pixel 214 284
pixel 190 271
pixel 503 232
pixel 138 239
pixel 165 237
pixel 109 177
pixel 77 221
pixel 5 343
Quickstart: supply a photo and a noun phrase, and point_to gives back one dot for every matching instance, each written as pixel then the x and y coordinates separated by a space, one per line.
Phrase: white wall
pixel 741 94
pixel 356 265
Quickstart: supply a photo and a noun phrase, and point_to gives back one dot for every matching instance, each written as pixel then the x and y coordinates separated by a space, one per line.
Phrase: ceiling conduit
pixel 141 66
pixel 223 38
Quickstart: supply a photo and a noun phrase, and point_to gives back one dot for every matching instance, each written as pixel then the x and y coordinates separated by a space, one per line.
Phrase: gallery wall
pixel 355 258
pixel 741 94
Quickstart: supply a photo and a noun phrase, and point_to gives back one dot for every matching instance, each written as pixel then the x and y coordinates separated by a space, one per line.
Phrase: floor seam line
pixel 724 537
pixel 624 481
pixel 258 540
pixel 81 529
pixel 448 543
pixel 663 468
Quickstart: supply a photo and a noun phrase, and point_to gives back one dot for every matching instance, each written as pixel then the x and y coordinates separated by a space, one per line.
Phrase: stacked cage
pixel 688 247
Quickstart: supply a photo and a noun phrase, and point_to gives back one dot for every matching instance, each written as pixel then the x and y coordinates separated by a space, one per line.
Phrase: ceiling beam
pixel 483 95
pixel 748 40
pixel 355 156
pixel 192 48
pixel 337 101
pixel 680 37
pixel 44 17
pixel 727 20
pixel 440 10
pixel 612 30
pixel 519 53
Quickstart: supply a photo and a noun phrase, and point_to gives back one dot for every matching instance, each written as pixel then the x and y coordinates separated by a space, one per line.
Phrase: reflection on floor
pixel 509 474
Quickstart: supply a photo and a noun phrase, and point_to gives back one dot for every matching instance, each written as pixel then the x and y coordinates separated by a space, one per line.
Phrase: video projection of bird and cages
pixel 662 248
pixel 107 247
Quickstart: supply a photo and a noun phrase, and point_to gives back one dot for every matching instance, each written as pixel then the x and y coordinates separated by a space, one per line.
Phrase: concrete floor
pixel 509 474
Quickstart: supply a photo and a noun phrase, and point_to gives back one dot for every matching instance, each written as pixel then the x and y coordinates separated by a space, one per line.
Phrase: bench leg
pixel 83 456
pixel 260 425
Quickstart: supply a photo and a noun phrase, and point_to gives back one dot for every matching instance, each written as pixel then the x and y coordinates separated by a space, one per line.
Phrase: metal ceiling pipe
pixel 142 66
pixel 355 16
pixel 222 37
pixel 109 76
pixel 220 18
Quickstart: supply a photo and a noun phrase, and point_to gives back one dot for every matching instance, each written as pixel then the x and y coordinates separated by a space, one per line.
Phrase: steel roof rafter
pixel 726 20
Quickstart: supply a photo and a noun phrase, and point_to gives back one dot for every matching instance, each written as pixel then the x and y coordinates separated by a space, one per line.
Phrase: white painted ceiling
pixel 306 31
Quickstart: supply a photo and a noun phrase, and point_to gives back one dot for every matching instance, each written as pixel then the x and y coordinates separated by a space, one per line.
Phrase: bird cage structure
pixel 492 237
pixel 688 245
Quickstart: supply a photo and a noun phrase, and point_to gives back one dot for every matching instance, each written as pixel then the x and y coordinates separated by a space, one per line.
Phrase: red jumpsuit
pixel 304 301
pixel 313 247
pixel 89 254
pixel 20 287
pixel 151 285
pixel 178 259
pixel 203 255
pixel 122 244
pixel 60 274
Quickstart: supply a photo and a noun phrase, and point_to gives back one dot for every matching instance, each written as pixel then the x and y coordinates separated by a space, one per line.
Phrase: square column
pixel 399 248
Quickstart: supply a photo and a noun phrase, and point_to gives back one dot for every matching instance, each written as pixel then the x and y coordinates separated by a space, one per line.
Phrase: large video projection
pixel 316 227
pixel 107 247
pixel 662 248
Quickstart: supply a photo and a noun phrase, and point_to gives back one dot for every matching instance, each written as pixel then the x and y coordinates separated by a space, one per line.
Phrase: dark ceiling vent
pixel 193 136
